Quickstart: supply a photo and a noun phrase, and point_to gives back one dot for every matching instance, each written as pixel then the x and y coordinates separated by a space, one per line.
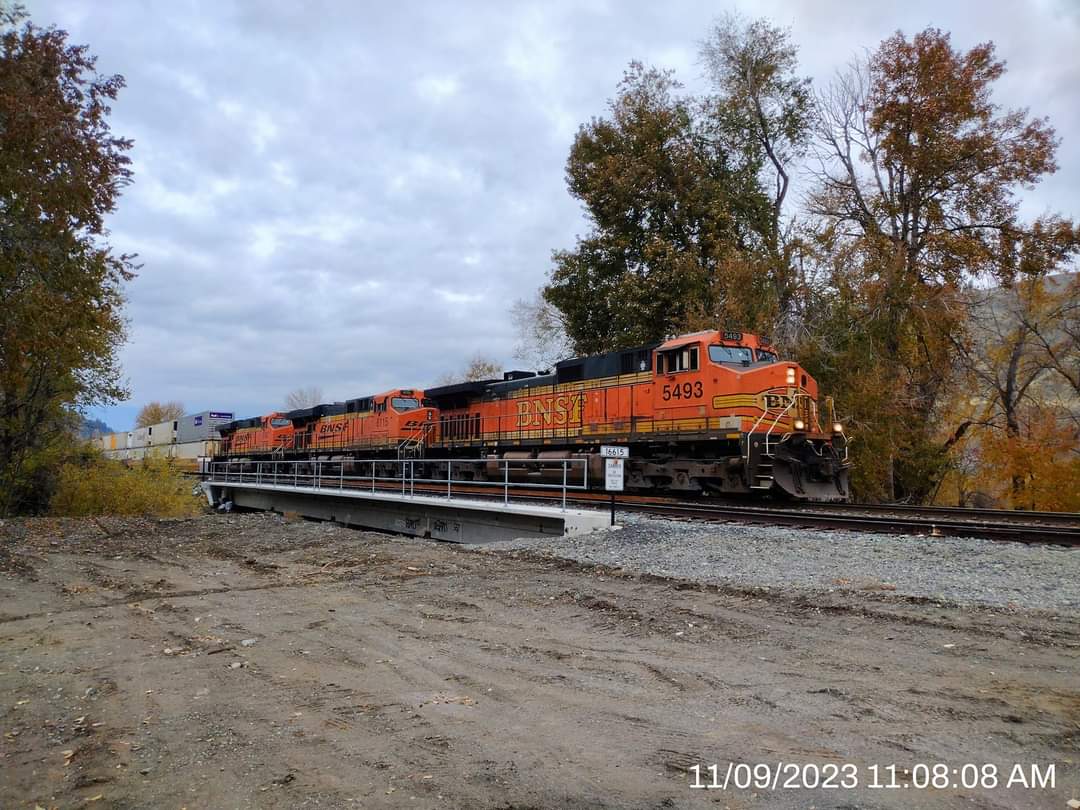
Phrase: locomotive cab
pixel 409 417
pixel 744 392
pixel 277 431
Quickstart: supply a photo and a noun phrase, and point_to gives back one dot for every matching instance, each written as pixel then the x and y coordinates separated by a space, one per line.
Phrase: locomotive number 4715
pixel 684 391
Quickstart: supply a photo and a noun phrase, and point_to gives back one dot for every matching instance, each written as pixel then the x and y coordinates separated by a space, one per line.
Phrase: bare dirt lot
pixel 243 661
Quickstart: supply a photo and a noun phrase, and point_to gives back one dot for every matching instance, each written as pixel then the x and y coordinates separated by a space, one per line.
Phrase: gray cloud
pixel 352 195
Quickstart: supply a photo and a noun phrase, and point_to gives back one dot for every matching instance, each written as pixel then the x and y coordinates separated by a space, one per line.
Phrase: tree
pixel 1013 401
pixel 667 205
pixel 307 397
pixel 477 368
pixel 1038 468
pixel 542 339
pixel 1056 330
pixel 760 107
pixel 761 104
pixel 153 413
pixel 61 173
pixel 914 152
pixel 917 190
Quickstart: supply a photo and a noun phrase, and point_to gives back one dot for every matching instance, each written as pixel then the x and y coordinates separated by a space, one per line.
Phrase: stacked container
pixel 161 433
pixel 201 426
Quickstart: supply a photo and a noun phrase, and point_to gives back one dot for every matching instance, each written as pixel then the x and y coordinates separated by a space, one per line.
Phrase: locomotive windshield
pixel 730 354
pixel 404 403
pixel 765 357
pixel 280 422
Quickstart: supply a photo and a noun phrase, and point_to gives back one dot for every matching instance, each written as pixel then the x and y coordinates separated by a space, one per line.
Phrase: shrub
pixel 99 486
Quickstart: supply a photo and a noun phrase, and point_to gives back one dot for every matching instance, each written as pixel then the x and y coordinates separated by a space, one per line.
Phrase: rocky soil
pixel 961 571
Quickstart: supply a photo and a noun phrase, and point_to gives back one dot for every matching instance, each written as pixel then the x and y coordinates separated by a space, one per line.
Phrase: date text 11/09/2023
pixel 848 776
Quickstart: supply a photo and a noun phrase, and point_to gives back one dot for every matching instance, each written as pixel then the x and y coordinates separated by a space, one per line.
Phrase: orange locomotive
pixel 379 423
pixel 711 411
pixel 705 412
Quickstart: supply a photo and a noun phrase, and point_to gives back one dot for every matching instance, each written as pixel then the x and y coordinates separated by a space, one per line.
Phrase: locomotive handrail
pixel 776 421
pixel 772 427
pixel 764 413
pixel 416 440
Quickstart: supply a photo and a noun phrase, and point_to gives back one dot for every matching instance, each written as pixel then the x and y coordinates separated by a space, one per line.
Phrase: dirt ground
pixel 244 661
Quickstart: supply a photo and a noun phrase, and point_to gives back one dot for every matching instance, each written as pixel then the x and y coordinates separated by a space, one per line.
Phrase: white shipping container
pixel 191 450
pixel 161 433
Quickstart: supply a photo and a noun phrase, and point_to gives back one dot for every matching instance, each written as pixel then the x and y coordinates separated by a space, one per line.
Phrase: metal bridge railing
pixel 370 474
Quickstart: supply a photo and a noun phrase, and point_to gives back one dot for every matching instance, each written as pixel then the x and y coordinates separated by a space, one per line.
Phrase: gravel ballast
pixel 963 571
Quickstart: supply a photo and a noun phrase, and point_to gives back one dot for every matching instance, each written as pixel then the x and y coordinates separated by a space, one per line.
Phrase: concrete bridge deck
pixel 458 520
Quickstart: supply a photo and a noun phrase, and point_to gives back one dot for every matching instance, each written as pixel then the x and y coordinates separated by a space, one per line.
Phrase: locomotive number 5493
pixel 685 391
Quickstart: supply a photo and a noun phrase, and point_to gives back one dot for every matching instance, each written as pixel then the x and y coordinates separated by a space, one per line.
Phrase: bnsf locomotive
pixel 706 412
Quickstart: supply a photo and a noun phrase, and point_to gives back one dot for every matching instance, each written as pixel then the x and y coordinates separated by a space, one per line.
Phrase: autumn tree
pixel 153 413
pixel 61 174
pixel 916 187
pixel 307 397
pixel 542 339
pixel 1012 400
pixel 667 206
pixel 479 367
pixel 1055 329
pixel 762 107
pixel 1038 468
pixel 762 104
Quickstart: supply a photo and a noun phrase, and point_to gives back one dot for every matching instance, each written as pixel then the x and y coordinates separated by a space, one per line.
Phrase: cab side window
pixel 676 360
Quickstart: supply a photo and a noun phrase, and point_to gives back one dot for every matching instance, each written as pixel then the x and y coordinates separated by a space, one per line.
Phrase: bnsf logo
pixel 332 428
pixel 557 410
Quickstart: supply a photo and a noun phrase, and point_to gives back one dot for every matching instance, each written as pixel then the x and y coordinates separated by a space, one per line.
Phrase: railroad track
pixel 1057 528
pixel 886 520
pixel 1066 519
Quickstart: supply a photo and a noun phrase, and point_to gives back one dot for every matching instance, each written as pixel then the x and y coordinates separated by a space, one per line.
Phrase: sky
pixel 352 195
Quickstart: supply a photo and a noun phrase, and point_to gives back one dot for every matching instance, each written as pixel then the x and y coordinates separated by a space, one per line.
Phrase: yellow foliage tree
pixel 1043 460
pixel 1020 418
pixel 99 486
pixel 153 413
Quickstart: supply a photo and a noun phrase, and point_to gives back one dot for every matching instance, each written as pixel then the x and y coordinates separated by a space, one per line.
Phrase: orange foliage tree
pixel 1023 415
pixel 917 202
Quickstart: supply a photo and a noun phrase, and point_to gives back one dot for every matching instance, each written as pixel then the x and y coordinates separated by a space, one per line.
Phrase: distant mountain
pixel 94 427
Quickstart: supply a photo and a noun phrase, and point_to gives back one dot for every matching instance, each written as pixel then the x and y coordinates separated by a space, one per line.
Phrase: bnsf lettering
pixel 332 428
pixel 548 411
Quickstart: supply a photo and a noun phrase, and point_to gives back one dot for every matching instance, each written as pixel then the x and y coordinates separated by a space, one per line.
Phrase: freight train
pixel 709 412
pixel 188 441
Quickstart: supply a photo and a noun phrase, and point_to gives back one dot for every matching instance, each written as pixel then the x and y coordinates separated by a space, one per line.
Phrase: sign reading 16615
pixel 614 451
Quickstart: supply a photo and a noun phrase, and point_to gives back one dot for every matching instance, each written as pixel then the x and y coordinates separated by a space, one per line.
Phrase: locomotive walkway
pixel 338 491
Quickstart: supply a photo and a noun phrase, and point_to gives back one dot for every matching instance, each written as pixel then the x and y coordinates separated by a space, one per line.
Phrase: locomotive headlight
pixel 837 427
pixel 800 424
pixel 790 376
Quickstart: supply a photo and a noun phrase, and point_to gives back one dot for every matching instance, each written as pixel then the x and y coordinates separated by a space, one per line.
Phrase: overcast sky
pixel 351 195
